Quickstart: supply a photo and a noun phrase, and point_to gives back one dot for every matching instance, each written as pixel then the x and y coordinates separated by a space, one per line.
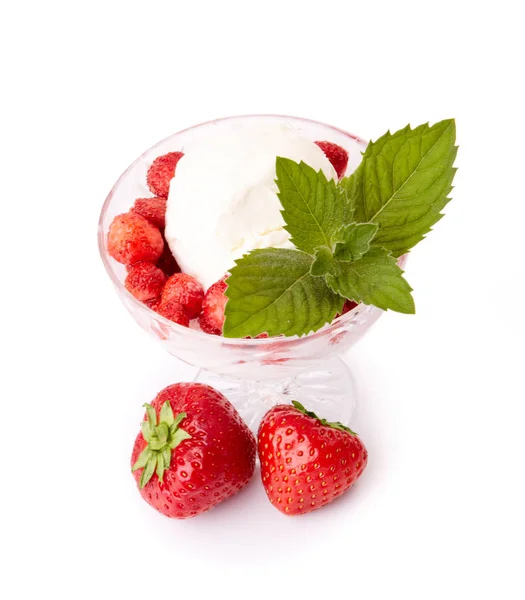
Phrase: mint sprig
pixel 347 234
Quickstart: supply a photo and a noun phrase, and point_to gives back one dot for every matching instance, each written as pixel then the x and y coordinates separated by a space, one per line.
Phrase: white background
pixel 439 512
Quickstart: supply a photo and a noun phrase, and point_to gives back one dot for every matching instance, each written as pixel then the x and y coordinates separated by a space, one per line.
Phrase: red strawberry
pixel 306 462
pixel 336 155
pixel 152 209
pixel 161 173
pixel 145 281
pixel 167 261
pixel 347 307
pixel 185 290
pixel 212 316
pixel 194 451
pixel 153 304
pixel 131 238
pixel 174 311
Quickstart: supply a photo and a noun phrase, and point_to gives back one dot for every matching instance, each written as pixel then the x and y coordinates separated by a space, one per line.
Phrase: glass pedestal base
pixel 328 389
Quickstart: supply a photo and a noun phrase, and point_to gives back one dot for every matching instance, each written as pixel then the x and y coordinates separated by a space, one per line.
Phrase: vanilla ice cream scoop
pixel 223 199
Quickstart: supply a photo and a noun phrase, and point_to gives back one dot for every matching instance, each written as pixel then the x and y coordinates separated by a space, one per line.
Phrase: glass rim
pixel 283 341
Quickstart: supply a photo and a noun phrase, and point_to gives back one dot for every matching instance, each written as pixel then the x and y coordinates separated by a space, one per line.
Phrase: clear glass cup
pixel 254 374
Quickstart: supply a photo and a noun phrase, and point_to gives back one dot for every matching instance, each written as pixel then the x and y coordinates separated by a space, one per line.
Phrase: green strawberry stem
pixel 162 437
pixel 332 424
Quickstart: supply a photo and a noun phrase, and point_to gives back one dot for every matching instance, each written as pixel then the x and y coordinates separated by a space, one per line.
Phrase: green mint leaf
pixel 313 206
pixel 272 290
pixel 373 279
pixel 403 182
pixel 323 262
pixel 354 240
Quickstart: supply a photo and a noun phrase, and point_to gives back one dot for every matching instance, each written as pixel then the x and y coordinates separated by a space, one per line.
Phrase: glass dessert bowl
pixel 254 374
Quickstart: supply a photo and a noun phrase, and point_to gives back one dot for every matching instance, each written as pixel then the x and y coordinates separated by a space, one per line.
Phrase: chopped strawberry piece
pixel 161 173
pixel 145 281
pixel 212 316
pixel 152 209
pixel 167 261
pixel 336 155
pixel 132 239
pixel 172 310
pixel 186 291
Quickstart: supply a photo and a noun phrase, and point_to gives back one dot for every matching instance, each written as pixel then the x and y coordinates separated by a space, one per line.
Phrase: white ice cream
pixel 223 199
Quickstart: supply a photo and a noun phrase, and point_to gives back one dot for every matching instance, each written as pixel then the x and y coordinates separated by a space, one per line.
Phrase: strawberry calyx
pixel 332 424
pixel 162 436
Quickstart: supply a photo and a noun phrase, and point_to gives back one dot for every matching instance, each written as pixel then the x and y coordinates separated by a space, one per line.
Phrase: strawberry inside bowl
pixel 254 373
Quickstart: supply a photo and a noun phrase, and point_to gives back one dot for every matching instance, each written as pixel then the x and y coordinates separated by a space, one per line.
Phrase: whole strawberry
pixel 132 238
pixel 161 173
pixel 194 451
pixel 306 462
pixel 336 155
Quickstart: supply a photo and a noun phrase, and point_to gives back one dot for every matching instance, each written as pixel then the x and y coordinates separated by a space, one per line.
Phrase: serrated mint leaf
pixel 402 183
pixel 314 207
pixel 323 262
pixel 271 290
pixel 373 279
pixel 352 241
